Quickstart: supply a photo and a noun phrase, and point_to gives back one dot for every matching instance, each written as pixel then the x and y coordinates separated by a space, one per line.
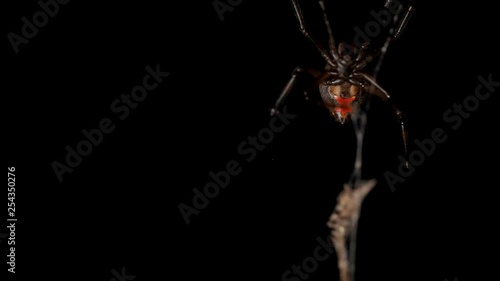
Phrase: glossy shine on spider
pixel 343 85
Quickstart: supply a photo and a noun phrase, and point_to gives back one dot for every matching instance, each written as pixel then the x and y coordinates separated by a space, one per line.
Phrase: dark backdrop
pixel 120 206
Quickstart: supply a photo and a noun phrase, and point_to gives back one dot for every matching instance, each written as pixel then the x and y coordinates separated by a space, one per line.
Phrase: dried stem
pixel 344 222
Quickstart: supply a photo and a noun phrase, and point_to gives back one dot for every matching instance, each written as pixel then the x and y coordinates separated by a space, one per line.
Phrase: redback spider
pixel 344 85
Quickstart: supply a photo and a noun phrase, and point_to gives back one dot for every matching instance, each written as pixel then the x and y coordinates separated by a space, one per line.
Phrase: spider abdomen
pixel 340 100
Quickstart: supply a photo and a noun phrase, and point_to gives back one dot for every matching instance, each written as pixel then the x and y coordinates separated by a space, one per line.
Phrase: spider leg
pixel 404 21
pixel 303 29
pixel 290 85
pixel 361 63
pixel 376 90
pixel 331 40
pixel 394 33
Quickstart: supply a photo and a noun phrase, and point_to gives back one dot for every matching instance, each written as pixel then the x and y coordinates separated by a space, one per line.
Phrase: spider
pixel 343 85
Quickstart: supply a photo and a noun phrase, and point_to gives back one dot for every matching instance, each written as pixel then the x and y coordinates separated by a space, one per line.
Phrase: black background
pixel 119 207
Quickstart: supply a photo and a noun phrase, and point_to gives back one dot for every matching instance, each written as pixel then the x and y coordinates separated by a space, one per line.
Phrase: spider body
pixel 342 91
pixel 344 84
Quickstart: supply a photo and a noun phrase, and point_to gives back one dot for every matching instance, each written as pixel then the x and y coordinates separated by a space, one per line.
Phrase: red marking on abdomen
pixel 344 105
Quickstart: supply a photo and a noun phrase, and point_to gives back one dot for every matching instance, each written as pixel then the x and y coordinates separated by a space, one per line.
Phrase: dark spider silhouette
pixel 343 85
